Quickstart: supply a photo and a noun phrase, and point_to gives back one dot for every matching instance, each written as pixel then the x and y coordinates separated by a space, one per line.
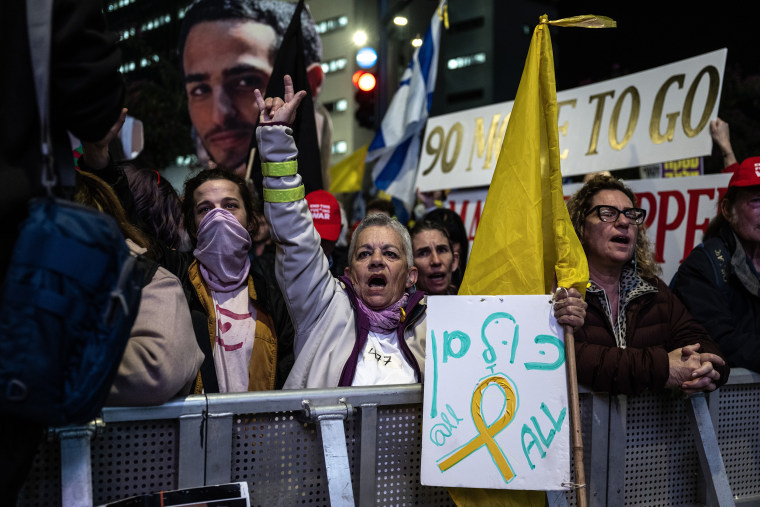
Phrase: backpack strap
pixel 208 370
pixel 39 18
pixel 148 267
pixel 720 259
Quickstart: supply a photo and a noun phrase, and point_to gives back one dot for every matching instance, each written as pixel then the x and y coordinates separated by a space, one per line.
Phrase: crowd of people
pixel 323 301
pixel 281 291
pixel 259 292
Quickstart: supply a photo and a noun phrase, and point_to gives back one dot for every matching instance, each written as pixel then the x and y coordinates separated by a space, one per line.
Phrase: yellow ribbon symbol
pixel 486 433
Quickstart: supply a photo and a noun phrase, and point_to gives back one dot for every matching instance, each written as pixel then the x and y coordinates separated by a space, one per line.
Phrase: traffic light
pixel 366 98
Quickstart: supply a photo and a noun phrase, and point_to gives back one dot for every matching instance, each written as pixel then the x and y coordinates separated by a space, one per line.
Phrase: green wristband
pixel 276 169
pixel 284 195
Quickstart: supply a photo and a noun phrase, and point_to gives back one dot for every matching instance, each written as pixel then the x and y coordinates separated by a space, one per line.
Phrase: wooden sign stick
pixel 575 418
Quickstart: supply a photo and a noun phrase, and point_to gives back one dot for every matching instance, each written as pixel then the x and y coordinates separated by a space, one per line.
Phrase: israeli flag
pixel 396 147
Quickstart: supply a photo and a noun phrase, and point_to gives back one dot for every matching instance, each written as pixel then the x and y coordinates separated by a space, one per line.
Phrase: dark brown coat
pixel 657 323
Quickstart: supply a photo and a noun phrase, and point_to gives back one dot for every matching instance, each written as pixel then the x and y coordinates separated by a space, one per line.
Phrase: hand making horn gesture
pixel 279 110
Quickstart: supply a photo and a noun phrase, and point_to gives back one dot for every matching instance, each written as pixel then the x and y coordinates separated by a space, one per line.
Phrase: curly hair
pixel 579 205
pixel 188 201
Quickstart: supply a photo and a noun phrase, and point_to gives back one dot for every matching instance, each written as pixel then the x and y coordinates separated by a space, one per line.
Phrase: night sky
pixel 650 34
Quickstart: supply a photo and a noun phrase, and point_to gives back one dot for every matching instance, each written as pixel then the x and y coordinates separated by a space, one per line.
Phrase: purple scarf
pixel 222 250
pixel 384 321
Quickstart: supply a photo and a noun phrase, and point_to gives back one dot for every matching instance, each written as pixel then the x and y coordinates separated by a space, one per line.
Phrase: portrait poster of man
pixel 229 48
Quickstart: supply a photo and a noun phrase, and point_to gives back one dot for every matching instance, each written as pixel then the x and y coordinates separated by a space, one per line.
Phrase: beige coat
pixel 162 356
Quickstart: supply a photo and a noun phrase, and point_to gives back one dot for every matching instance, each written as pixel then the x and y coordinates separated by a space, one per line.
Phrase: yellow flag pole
pixel 581 495
pixel 530 156
pixel 581 491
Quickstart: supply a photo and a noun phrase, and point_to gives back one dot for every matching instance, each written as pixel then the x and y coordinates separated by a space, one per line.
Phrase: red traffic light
pixel 365 81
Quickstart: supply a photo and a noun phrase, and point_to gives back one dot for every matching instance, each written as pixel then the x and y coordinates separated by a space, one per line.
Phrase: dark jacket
pixel 657 323
pixel 86 96
pixel 262 270
pixel 719 288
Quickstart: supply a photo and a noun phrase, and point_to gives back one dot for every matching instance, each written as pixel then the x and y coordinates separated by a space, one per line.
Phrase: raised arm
pixel 301 268
pixel 721 137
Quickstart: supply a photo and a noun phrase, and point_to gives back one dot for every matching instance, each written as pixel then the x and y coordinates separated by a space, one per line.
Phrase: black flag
pixel 290 60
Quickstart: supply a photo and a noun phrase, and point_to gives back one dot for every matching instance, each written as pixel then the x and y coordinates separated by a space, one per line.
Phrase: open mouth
pixel 377 282
pixel 437 277
pixel 624 240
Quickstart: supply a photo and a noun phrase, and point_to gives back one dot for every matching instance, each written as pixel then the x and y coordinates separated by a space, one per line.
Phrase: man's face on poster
pixel 224 61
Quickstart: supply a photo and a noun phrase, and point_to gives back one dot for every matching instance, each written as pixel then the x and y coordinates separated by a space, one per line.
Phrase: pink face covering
pixel 222 250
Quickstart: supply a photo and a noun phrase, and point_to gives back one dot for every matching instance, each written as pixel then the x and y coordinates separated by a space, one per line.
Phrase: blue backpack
pixel 72 288
pixel 71 295
pixel 720 260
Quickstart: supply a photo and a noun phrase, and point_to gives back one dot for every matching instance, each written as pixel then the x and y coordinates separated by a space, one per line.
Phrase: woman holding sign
pixel 637 334
pixel 719 280
pixel 368 326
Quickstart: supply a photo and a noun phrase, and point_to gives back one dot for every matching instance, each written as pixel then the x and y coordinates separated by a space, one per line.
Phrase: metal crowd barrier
pixel 362 446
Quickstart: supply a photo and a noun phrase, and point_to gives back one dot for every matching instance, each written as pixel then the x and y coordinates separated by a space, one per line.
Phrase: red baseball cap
pixel 747 174
pixel 326 214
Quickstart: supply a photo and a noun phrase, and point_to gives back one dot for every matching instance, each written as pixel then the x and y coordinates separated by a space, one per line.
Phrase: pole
pixel 575 419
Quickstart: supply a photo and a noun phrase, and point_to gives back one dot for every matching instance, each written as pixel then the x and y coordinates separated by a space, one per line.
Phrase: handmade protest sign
pixel 495 413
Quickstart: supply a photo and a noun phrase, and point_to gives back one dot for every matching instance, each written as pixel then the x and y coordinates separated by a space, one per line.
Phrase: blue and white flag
pixel 396 147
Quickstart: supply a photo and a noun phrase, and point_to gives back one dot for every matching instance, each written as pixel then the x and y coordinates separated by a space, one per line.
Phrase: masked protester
pixel 232 300
pixel 232 322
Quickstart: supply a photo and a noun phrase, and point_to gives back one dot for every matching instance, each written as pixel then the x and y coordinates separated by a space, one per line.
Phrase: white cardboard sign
pixel 495 413
pixel 653 116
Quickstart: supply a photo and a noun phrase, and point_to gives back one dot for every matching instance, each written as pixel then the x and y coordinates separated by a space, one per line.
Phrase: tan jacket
pixel 161 357
pixel 263 363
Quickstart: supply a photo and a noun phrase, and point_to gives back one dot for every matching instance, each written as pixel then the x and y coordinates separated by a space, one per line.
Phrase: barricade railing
pixel 362 446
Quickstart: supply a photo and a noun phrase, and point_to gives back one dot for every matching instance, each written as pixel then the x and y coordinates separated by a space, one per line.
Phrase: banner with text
pixel 495 406
pixel 678 211
pixel 654 116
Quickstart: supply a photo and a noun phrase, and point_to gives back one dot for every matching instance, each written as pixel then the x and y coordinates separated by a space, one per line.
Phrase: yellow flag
pixel 525 236
pixel 347 176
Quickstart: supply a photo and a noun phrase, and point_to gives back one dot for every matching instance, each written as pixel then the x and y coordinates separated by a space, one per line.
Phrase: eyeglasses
pixel 611 213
